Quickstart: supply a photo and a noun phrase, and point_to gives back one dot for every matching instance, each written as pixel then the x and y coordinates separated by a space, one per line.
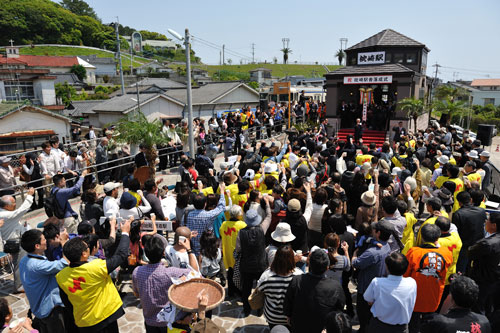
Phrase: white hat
pixel 443 159
pixel 223 165
pixel 249 174
pixel 396 171
pixel 472 154
pixel 110 186
pixel 283 233
pixel 412 182
pixel 366 166
pixel 270 167
pixel 368 198
pixel 5 159
pixel 485 153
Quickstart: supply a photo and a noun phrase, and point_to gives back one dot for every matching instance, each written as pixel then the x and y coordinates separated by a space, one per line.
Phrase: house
pixel 89 69
pixel 485 91
pixel 154 106
pixel 215 98
pixel 261 75
pixel 162 83
pixel 210 100
pixel 71 78
pixel 153 67
pixel 103 66
pixel 26 126
pixel 200 76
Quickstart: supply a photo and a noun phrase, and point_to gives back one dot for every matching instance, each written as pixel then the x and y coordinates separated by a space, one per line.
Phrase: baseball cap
pixel 110 186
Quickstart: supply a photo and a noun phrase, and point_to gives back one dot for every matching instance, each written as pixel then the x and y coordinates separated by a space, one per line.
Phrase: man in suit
pixel 399 131
pixel 358 131
pixel 140 157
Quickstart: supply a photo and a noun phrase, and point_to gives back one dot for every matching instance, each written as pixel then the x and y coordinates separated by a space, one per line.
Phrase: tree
pixel 448 109
pixel 286 51
pixel 229 61
pixel 414 108
pixel 65 92
pixel 79 7
pixel 79 71
pixel 137 129
pixel 340 56
pixel 254 85
pixel 446 92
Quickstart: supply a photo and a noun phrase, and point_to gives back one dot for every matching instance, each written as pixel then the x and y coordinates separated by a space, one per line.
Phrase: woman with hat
pixel 128 205
pixel 251 244
pixel 367 212
pixel 281 236
pixel 274 284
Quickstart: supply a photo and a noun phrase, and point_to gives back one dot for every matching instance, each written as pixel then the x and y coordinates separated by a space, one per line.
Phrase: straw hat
pixel 283 233
pixel 368 198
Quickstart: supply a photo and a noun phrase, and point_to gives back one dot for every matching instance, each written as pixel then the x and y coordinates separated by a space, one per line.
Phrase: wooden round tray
pixel 185 295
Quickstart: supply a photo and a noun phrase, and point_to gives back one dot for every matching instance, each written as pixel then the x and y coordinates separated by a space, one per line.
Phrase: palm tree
pixel 414 108
pixel 286 51
pixel 448 109
pixel 340 56
pixel 136 129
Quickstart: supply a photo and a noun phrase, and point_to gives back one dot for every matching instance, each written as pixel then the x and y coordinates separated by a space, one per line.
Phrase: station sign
pixel 371 58
pixel 368 79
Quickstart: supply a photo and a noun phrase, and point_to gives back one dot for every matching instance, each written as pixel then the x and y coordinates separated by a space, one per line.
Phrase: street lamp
pixel 188 77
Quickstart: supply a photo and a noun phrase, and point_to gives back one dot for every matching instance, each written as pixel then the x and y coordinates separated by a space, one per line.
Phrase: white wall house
pixel 485 91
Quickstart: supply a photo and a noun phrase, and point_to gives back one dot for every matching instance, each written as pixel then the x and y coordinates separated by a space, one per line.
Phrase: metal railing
pixel 21 189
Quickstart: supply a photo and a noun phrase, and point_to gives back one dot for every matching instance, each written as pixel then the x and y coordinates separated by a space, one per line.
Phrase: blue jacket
pixel 64 194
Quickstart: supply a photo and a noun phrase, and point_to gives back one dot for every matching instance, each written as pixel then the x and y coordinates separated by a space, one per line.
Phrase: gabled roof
pixel 82 108
pixel 387 37
pixel 485 82
pixel 85 64
pixel 208 93
pixel 71 78
pixel 152 89
pixel 160 82
pixel 94 59
pixel 128 102
pixel 373 69
pixel 37 109
pixel 42 61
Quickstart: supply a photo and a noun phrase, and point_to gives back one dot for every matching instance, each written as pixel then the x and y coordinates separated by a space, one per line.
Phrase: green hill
pixel 278 70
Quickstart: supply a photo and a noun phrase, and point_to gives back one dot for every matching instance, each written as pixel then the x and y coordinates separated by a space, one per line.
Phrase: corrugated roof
pixel 387 37
pixel 373 69
pixel 485 82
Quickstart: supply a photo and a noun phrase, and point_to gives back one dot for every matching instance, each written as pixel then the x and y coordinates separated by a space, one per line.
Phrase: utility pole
pixel 187 46
pixel 432 87
pixel 223 60
pixel 253 53
pixel 119 56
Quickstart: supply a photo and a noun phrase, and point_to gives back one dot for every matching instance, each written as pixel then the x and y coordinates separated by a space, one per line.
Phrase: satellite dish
pixel 175 34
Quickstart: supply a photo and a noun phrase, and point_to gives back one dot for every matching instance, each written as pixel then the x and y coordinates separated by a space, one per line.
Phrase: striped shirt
pixel 274 286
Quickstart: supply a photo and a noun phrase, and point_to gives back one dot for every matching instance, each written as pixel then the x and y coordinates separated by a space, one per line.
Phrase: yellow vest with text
pixel 360 159
pixel 454 244
pixel 91 292
pixel 229 232
pixel 430 220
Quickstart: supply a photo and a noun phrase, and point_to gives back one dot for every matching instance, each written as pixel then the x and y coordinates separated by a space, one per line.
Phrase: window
pixel 21 90
pixel 388 58
pixel 352 60
pixel 489 101
pixel 411 58
pixel 399 58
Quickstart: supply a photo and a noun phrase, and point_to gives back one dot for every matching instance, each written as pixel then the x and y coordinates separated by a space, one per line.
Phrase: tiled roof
pixel 83 107
pixel 160 82
pixel 205 94
pixel 121 103
pixel 373 69
pixel 485 82
pixel 41 61
pixel 387 37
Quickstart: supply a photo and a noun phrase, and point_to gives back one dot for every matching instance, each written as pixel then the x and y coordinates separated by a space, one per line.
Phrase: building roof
pixel 33 108
pixel 126 103
pixel 41 61
pixel 261 69
pixel 85 64
pixel 387 37
pixel 82 108
pixel 208 93
pixel 485 82
pixel 160 82
pixel 94 59
pixel 71 78
pixel 152 89
pixel 373 69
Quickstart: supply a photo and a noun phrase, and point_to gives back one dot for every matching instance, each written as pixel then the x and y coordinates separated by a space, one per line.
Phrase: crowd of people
pixel 291 226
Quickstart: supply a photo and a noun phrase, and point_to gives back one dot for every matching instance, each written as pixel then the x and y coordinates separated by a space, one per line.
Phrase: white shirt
pixel 72 165
pixel 92 135
pixel 12 228
pixel 393 299
pixel 60 155
pixel 49 163
pixel 110 206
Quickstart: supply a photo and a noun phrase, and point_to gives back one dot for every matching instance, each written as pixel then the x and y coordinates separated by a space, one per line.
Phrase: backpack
pixel 52 207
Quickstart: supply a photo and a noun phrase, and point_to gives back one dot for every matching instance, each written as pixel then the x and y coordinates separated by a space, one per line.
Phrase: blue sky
pixel 463 35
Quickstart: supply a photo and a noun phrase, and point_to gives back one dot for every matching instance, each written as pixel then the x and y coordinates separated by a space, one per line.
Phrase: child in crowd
pixel 22 325
pixel 210 258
